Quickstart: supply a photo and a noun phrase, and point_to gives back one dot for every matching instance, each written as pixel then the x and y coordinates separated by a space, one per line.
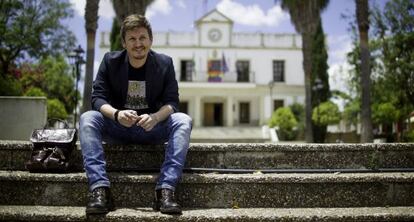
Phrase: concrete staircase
pixel 285 182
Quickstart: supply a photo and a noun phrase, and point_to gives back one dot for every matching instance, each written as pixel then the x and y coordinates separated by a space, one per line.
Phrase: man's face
pixel 137 43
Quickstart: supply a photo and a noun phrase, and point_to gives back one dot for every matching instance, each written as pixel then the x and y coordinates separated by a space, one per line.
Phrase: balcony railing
pixel 227 77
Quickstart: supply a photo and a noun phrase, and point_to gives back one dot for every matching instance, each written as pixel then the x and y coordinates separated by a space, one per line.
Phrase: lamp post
pixel 76 59
pixel 318 85
pixel 271 84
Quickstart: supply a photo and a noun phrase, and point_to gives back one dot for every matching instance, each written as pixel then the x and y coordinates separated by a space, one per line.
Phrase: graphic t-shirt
pixel 136 96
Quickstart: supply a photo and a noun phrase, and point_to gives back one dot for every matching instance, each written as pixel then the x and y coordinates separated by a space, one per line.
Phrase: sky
pixel 258 16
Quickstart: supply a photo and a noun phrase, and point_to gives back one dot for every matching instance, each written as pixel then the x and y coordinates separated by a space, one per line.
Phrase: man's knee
pixel 182 119
pixel 90 117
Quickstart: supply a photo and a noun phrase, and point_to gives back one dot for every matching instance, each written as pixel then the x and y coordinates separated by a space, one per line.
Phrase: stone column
pixel 197 112
pixel 230 111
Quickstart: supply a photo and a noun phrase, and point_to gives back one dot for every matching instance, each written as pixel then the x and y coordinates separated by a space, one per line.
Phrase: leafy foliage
pixel 33 29
pixel 56 109
pixel 34 91
pixel 50 77
pixel 284 119
pixel 115 37
pixel 326 113
pixel 392 52
pixel 10 86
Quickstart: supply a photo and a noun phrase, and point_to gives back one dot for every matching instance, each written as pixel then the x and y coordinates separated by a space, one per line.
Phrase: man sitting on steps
pixel 135 100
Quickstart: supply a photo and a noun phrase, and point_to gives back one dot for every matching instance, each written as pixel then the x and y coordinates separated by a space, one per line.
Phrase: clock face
pixel 214 35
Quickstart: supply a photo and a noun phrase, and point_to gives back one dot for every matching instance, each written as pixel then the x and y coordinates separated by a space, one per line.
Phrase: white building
pixel 231 79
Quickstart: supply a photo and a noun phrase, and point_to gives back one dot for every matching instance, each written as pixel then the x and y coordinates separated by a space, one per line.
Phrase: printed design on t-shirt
pixel 136 95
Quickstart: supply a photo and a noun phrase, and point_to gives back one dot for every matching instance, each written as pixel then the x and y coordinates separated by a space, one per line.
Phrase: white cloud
pixel 158 6
pixel 339 68
pixel 106 9
pixel 252 15
pixel 78 6
pixel 339 46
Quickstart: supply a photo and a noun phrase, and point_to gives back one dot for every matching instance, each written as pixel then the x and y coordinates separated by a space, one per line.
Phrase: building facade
pixel 231 79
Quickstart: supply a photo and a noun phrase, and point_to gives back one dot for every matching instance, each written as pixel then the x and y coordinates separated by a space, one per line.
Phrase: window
pixel 277 104
pixel 187 69
pixel 278 71
pixel 183 107
pixel 243 70
pixel 244 113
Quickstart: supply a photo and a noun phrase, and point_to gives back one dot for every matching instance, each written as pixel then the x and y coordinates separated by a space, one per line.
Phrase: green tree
pixel 115 37
pixel 298 111
pixel 91 24
pixel 56 109
pixel 284 119
pixel 320 79
pixel 33 29
pixel 395 31
pixel 52 76
pixel 327 113
pixel 305 15
pixel 390 61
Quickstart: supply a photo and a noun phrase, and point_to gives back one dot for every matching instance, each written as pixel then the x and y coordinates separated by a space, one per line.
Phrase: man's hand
pixel 128 118
pixel 147 121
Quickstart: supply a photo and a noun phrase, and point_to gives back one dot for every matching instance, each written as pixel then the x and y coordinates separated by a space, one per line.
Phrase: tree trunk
pixel 91 24
pixel 307 65
pixel 363 27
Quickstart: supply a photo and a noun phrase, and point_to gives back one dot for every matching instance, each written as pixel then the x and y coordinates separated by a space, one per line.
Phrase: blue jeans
pixel 94 128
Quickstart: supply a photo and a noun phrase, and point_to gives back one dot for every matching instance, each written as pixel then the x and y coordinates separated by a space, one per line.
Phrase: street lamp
pixel 318 85
pixel 271 84
pixel 76 59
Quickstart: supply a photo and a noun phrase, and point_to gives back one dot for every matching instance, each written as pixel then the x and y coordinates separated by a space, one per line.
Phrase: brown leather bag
pixel 51 148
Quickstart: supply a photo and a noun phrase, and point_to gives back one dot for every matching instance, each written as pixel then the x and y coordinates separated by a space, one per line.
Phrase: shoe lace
pixel 98 193
pixel 167 193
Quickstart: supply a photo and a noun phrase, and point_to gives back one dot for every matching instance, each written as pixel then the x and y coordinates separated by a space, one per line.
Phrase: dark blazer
pixel 111 83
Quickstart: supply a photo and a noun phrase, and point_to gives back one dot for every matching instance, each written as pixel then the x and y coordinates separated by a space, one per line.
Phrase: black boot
pixel 100 201
pixel 165 202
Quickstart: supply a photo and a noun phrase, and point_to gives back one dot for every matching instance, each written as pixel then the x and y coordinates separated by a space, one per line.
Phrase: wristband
pixel 116 116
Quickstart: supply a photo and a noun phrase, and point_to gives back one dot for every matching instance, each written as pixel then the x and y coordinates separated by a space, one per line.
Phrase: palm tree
pixel 363 27
pixel 305 15
pixel 91 24
pixel 122 9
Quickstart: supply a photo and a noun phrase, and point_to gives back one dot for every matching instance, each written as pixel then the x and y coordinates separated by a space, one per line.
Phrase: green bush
pixel 409 136
pixel 284 119
pixel 385 113
pixel 34 91
pixel 56 109
pixel 326 113
pixel 10 86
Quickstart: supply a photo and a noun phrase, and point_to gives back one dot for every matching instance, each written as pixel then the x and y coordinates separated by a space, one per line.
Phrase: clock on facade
pixel 214 35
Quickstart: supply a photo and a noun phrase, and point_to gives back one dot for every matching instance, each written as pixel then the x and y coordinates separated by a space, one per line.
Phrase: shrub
pixel 56 109
pixel 326 113
pixel 284 119
pixel 9 86
pixel 34 91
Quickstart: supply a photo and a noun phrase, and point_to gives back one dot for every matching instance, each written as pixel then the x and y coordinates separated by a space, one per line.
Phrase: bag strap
pixel 51 120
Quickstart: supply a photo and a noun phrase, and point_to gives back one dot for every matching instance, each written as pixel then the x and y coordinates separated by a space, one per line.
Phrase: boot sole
pixel 172 210
pixel 99 210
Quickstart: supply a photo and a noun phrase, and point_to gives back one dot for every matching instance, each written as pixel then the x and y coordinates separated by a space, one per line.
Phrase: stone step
pixel 56 213
pixel 13 155
pixel 218 190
